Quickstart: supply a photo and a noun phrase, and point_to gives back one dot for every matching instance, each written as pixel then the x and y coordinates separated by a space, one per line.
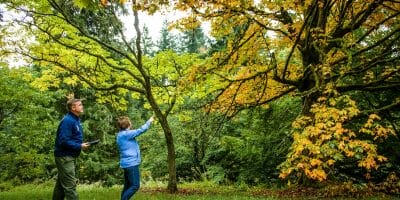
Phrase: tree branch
pixel 395 104
pixel 66 18
pixel 88 52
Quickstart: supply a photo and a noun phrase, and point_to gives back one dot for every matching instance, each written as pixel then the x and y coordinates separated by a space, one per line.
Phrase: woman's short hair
pixel 124 122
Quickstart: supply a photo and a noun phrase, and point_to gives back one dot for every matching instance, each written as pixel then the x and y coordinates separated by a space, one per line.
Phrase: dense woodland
pixel 303 92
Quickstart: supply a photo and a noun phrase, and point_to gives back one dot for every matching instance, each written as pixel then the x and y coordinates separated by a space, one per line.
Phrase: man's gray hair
pixel 72 102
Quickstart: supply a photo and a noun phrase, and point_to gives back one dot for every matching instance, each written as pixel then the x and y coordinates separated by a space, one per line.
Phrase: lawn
pixel 96 192
pixel 191 191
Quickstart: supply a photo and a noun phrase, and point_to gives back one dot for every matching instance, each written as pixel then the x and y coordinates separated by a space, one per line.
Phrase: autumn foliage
pixel 341 57
pixel 325 137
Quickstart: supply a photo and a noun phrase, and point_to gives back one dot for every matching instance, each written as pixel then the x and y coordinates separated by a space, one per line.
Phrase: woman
pixel 130 154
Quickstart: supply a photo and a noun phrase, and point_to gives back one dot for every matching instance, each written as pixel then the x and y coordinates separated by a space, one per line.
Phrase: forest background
pixel 302 92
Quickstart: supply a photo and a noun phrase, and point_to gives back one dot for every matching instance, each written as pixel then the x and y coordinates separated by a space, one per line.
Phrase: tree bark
pixel 172 184
pixel 162 118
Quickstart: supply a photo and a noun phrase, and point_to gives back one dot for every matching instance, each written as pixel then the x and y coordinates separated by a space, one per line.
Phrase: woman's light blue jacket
pixel 128 147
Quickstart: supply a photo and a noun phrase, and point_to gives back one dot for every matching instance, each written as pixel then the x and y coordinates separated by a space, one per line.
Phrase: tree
pixel 331 53
pixel 167 40
pixel 111 66
pixel 194 40
pixel 26 127
pixel 147 42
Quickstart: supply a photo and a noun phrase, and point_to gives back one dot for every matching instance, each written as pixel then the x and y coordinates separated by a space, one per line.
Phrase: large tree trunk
pixel 309 96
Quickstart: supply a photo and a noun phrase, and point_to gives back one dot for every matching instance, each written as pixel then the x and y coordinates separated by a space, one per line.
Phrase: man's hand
pixel 85 146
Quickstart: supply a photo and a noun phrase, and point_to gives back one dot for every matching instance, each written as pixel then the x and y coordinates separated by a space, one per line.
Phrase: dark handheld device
pixel 94 142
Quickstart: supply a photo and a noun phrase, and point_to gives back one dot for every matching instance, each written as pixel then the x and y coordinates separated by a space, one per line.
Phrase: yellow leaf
pixel 315 162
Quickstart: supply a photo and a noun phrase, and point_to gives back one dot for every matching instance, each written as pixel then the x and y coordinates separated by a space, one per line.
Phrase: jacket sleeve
pixel 139 131
pixel 69 137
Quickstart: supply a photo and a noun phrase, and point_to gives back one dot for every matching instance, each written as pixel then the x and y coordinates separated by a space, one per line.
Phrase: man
pixel 68 146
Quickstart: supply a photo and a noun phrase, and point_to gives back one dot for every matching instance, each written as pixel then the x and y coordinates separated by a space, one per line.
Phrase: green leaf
pixel 82 3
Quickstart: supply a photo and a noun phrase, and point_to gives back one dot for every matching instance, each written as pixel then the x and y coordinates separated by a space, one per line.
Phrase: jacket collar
pixel 73 115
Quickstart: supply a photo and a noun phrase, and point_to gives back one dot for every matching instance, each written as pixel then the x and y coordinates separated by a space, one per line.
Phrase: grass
pixel 147 192
pixel 156 191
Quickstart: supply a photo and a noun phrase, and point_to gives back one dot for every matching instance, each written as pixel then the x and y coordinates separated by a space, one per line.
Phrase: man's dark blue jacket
pixel 69 137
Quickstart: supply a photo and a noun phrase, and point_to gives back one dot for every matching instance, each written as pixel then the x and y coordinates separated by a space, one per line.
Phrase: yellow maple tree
pixel 330 53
